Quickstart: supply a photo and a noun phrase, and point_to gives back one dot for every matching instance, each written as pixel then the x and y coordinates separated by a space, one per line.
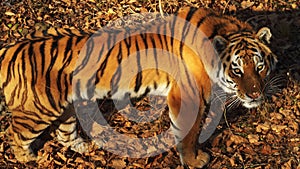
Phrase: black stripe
pixel 11 101
pixel 189 81
pixel 206 104
pixel 185 30
pixel 42 52
pixel 89 46
pixel 165 38
pixel 90 87
pixel 48 76
pixel 117 75
pixel 216 29
pixel 172 29
pixel 67 60
pixel 67 132
pixel 66 121
pixel 187 25
pixel 77 89
pixel 155 85
pixel 153 42
pixel 19 85
pixel 66 92
pixel 147 90
pixel 30 128
pixel 25 91
pixel 174 126
pixel 127 38
pixel 168 82
pixel 115 81
pixel 139 76
pixel 59 80
pixel 103 65
pixel 144 38
pixel 42 110
pixel 233 63
pixel 33 64
pixel 2 56
pixel 200 22
pixel 234 36
pixel 79 38
pixel 158 36
pixel 11 65
pixel 53 48
pixel 33 69
pixel 109 41
pixel 68 48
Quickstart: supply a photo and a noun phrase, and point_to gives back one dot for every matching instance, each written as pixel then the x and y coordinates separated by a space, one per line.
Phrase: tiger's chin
pixel 252 103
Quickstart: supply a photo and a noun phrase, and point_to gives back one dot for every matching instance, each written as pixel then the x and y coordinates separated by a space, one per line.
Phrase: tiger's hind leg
pixel 67 133
pixel 23 132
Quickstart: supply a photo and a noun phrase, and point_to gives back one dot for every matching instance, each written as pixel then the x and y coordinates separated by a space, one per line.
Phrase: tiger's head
pixel 245 63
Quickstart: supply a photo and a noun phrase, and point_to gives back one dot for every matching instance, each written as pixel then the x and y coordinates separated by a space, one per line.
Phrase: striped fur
pixel 42 76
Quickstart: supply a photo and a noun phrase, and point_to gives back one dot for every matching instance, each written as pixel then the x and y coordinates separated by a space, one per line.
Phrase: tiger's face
pixel 246 62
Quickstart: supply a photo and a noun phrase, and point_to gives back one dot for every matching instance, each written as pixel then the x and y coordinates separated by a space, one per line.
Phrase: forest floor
pixel 266 137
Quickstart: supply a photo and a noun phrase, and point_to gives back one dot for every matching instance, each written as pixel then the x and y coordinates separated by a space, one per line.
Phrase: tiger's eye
pixel 237 71
pixel 260 67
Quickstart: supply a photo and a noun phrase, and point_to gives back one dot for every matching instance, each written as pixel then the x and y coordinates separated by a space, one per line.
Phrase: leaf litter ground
pixel 266 137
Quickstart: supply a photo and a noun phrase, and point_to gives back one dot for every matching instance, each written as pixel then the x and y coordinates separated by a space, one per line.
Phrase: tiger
pixel 39 75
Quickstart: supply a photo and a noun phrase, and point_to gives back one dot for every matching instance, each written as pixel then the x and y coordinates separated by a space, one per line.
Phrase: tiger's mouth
pixel 251 103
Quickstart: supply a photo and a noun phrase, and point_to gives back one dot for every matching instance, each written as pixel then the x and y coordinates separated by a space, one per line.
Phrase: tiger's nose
pixel 254 95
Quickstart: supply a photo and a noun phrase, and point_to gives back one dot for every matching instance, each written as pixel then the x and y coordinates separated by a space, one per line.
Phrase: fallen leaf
pixel 118 163
pixel 263 127
pixel 8 13
pixel 278 128
pixel 266 150
pixel 253 138
pixel 246 4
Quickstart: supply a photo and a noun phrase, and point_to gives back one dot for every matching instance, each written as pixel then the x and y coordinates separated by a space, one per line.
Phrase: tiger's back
pixel 43 75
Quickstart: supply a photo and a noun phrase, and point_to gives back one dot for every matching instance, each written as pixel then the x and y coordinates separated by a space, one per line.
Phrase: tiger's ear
pixel 219 43
pixel 264 34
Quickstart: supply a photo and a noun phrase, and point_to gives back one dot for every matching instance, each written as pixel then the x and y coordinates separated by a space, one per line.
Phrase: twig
pixel 160 9
pixel 226 5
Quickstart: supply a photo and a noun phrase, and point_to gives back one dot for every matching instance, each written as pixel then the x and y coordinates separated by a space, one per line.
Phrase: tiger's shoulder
pixel 214 23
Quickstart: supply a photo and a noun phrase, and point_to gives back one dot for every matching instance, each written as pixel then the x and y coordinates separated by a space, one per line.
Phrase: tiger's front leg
pixel 186 119
pixel 67 133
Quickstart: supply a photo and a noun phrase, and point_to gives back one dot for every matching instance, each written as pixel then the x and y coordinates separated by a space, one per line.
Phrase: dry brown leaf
pixel 275 115
pixel 249 150
pixel 111 12
pixel 8 13
pixel 60 155
pixel 118 163
pixel 266 150
pixel 263 127
pixel 278 128
pixel 247 4
pixel 253 138
pixel 238 139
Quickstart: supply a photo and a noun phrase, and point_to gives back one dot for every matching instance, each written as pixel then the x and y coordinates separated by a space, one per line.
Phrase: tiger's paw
pixel 198 161
pixel 81 146
pixel 23 155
